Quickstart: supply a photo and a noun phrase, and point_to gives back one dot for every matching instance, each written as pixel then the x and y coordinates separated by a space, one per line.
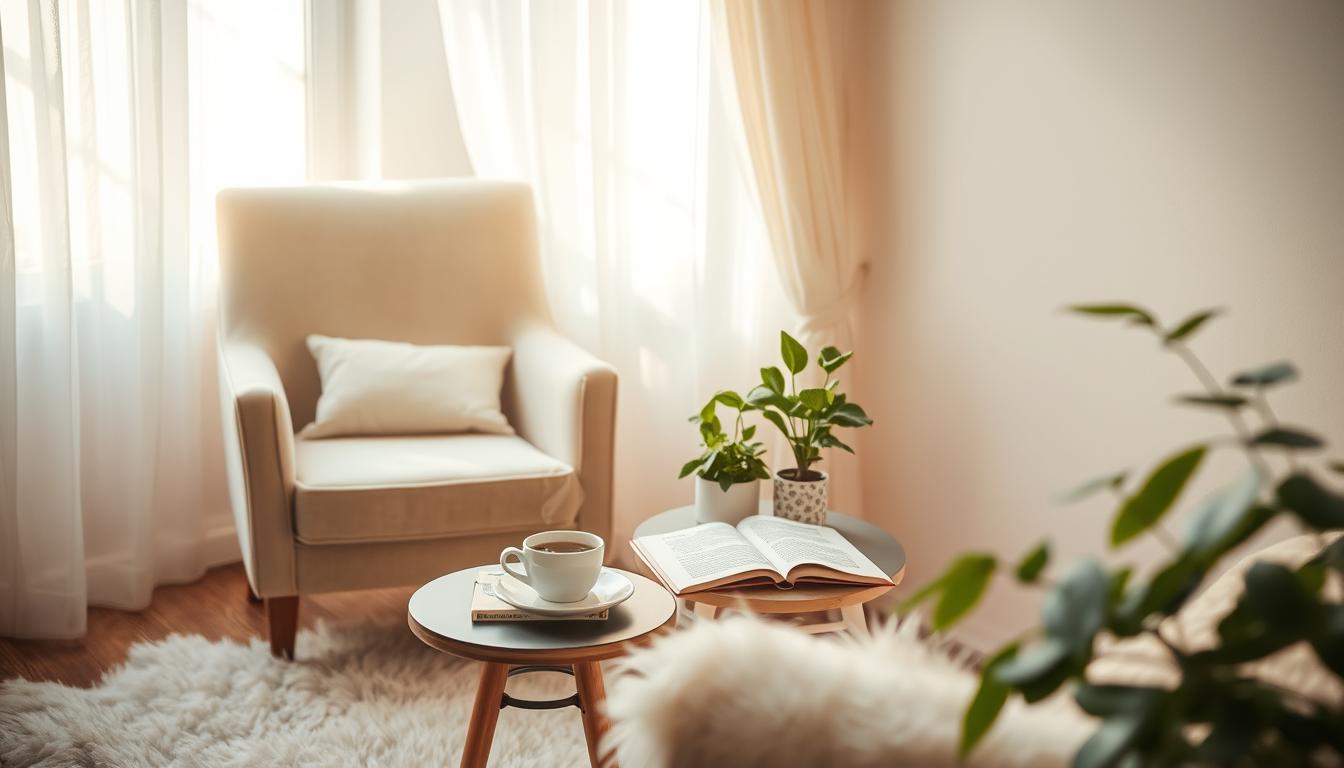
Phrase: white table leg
pixel 705 611
pixel 856 623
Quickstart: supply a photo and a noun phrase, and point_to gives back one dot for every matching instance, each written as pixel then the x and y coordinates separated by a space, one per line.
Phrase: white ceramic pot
pixel 715 505
pixel 801 500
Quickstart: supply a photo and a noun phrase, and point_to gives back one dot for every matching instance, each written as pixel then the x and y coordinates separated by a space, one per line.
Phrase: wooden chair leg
pixel 282 623
pixel 593 695
pixel 484 715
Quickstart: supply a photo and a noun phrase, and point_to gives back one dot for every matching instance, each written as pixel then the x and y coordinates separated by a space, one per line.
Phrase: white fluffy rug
pixel 356 696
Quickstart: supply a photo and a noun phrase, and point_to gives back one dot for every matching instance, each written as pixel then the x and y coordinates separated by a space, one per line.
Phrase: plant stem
pixel 1211 385
pixel 1161 533
pixel 1272 419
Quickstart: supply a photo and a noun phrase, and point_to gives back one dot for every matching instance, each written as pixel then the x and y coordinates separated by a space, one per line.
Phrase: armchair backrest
pixel 442 262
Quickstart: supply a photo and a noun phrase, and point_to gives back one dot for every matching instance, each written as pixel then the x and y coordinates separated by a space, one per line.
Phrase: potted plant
pixel 1219 711
pixel 806 418
pixel 729 471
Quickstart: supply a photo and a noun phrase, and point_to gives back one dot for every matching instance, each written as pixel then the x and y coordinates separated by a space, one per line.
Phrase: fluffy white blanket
pixel 744 692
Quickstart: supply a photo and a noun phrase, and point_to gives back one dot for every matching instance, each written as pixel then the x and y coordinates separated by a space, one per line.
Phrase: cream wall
pixel 1043 152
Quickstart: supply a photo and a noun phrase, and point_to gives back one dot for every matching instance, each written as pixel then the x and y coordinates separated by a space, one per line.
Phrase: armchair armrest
pixel 564 402
pixel 259 452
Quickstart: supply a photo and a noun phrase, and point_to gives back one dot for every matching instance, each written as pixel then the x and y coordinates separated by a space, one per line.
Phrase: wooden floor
pixel 215 606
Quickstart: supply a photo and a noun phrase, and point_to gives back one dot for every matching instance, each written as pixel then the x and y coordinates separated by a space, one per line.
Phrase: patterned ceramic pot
pixel 715 505
pixel 804 501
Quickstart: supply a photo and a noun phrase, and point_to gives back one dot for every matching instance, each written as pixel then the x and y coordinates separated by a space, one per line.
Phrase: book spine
pixel 487 616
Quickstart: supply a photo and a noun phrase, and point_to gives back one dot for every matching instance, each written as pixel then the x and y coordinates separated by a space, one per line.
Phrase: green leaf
pixel 794 354
pixel 748 432
pixel 1110 700
pixel 1109 744
pixel 1313 504
pixel 1229 402
pixel 988 702
pixel 690 467
pixel 764 396
pixel 1172 586
pixel 1164 593
pixel 1190 325
pixel 831 359
pixel 1038 661
pixel 1286 438
pixel 1329 641
pixel 1146 507
pixel 828 440
pixel 730 399
pixel 1093 486
pixel 707 412
pixel 816 399
pixel 711 432
pixel 850 415
pixel 1075 610
pixel 963 586
pixel 1265 376
pixel 1119 579
pixel 1225 520
pixel 1031 566
pixel 1270 615
pixel 773 379
pixel 1124 311
pixel 775 418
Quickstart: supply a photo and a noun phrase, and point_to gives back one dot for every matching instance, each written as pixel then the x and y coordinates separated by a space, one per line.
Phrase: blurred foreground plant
pixel 1247 721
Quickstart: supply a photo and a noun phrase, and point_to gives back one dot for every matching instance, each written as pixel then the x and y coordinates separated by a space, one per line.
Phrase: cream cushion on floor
pixel 362 489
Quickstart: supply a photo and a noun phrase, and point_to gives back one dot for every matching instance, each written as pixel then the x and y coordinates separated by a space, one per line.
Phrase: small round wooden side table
pixel 876 544
pixel 440 615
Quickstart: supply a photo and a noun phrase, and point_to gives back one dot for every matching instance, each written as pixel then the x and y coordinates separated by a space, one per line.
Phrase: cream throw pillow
pixel 393 388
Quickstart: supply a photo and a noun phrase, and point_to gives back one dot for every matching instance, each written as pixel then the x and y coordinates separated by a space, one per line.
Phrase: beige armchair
pixel 447 262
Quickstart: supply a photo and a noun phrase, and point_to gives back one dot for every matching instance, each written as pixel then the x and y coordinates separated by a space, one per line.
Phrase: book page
pixel 702 554
pixel 788 544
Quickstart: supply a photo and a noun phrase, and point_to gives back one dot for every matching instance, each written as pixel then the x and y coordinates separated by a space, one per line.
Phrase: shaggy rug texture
pixel 356 696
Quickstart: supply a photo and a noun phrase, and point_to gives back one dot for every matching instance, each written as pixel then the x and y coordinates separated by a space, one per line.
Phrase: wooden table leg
pixel 855 620
pixel 484 714
pixel 592 695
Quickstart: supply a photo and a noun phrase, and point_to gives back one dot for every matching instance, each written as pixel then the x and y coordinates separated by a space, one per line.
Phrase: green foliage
pixel 1190 325
pixel 989 700
pixel 958 589
pixel 1029 570
pixel 1246 721
pixel 1215 401
pixel 1266 376
pixel 1144 509
pixel 1095 485
pixel 726 459
pixel 807 418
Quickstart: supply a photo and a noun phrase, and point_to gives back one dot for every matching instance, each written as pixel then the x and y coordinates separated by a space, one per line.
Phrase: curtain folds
pixel 653 251
pixel 110 474
pixel 787 77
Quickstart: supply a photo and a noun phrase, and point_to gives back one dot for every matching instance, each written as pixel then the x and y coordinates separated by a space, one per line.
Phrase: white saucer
pixel 612 589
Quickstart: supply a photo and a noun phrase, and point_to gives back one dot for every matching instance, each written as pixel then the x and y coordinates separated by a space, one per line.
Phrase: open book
pixel 761 550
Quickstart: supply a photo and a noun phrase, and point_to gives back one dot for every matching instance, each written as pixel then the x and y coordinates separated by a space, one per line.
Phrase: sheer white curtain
pixel 655 255
pixel 120 120
pixel 786 63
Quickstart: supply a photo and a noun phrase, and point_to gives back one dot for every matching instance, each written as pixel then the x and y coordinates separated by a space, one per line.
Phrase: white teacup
pixel 562 566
